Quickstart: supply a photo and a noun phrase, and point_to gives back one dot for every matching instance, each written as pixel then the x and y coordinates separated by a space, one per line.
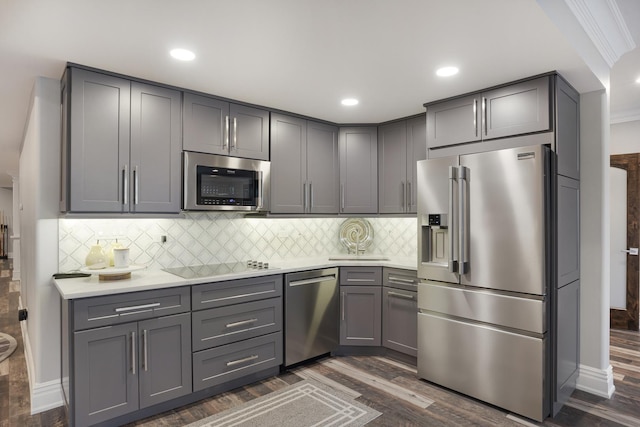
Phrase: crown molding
pixel 625 116
pixel 605 26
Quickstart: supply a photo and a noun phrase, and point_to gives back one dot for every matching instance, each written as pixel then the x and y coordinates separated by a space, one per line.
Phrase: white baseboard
pixel 44 396
pixel 596 381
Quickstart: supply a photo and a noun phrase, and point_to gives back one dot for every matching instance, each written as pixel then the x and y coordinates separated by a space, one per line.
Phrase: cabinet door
pixel 323 172
pixel 249 132
pixel 360 315
pixel 155 149
pixel 99 142
pixel 392 166
pixel 288 164
pixel 105 373
pixel 206 124
pixel 416 150
pixel 567 129
pixel 358 170
pixel 400 320
pixel 164 358
pixel 453 122
pixel 516 109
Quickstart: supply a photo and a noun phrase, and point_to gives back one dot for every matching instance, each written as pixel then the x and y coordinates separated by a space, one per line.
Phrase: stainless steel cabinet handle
pixel 225 145
pixel 462 227
pixel 400 279
pixel 399 295
pixel 235 134
pixel 313 280
pixel 133 353
pixel 453 264
pixel 404 201
pixel 135 185
pixel 342 303
pixel 310 195
pixel 484 115
pixel 409 196
pixel 342 197
pixel 475 115
pixel 304 197
pixel 239 361
pixel 145 349
pixel 137 307
pixel 125 185
pixel 241 323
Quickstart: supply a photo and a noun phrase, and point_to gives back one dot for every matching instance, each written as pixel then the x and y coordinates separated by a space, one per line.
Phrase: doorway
pixel 625 213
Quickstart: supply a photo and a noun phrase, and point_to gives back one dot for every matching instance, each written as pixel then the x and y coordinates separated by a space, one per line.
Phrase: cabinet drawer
pixel 219 326
pixel 400 279
pixel 228 362
pixel 110 310
pixel 218 294
pixel 366 276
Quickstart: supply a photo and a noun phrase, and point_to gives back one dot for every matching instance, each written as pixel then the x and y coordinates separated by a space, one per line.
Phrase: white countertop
pixel 144 280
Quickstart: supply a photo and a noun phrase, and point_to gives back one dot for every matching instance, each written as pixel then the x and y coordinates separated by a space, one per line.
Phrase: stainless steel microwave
pixel 224 183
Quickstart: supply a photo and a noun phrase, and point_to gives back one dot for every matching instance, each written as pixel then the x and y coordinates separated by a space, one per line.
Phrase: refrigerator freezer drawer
pixel 498 367
pixel 483 306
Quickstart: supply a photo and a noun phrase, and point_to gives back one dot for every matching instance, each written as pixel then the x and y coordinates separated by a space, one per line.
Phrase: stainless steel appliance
pixel 311 314
pixel 214 182
pixel 485 263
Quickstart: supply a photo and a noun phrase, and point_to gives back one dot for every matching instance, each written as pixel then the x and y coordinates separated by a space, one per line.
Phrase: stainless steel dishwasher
pixel 311 314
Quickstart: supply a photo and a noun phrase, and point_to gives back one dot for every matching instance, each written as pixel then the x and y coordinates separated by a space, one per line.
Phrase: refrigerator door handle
pixel 463 212
pixel 453 263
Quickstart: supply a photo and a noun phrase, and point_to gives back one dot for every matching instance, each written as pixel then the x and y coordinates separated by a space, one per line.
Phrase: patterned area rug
pixel 304 404
pixel 7 346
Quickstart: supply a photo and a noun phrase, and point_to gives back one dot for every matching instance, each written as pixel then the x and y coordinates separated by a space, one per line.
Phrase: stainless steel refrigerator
pixel 485 260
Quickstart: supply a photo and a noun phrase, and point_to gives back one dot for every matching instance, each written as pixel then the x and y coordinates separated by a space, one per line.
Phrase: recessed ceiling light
pixel 182 54
pixel 349 102
pixel 447 71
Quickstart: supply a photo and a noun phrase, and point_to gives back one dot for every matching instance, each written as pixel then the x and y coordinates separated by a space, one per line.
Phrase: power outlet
pixel 22 314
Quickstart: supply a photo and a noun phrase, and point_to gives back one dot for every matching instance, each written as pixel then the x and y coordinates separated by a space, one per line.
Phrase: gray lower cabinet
pixel 120 145
pixel 400 311
pixel 358 148
pixel 360 306
pixel 514 109
pixel 304 166
pixel 237 329
pixel 400 146
pixel 215 126
pixel 123 353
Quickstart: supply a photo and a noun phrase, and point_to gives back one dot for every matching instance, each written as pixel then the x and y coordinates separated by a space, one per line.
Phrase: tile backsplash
pixel 219 237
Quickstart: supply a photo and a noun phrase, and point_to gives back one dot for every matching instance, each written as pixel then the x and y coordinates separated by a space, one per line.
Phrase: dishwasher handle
pixel 312 280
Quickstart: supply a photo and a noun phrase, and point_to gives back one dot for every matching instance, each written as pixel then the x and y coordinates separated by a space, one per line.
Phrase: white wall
pixel 39 188
pixel 625 137
pixel 6 207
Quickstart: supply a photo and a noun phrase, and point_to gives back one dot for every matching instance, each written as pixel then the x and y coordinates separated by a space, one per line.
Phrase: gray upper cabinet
pixel 215 126
pixel 97 143
pixel 304 166
pixel 568 126
pixel 516 109
pixel 155 168
pixel 358 147
pixel 400 146
pixel 123 145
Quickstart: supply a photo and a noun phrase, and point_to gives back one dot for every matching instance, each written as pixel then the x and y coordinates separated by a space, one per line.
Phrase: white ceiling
pixel 296 55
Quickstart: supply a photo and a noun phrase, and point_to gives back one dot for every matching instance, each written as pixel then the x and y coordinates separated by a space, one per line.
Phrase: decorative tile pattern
pixel 220 237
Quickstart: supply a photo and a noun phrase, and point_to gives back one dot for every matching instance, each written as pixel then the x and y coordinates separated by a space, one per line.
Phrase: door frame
pixel 629 319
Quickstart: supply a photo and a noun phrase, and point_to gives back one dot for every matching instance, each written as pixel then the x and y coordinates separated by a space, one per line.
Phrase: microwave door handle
pixel 453 263
pixel 260 191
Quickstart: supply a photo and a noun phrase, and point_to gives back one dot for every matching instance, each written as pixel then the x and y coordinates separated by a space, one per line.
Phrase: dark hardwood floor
pixel 386 385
